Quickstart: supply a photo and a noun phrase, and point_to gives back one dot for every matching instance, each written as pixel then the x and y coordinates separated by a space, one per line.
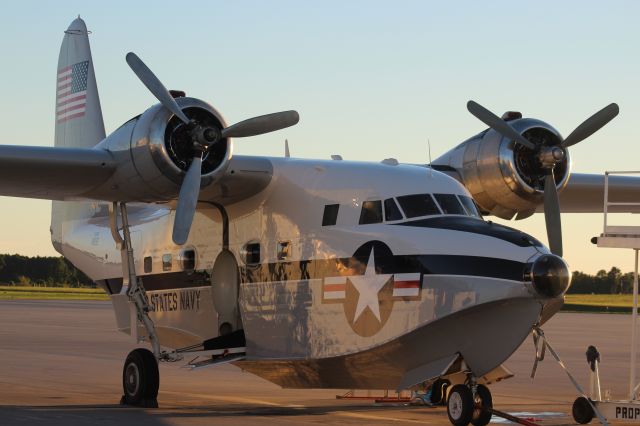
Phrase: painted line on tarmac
pixel 232 399
pixel 372 417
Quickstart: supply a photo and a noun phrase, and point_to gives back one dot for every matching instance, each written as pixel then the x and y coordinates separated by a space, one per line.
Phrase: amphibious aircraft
pixel 308 273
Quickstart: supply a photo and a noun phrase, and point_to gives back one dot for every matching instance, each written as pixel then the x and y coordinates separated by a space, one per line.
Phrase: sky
pixel 370 79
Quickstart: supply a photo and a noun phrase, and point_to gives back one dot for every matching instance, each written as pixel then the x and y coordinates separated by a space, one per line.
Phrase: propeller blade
pixel 552 214
pixel 187 201
pixel 154 85
pixel 592 125
pixel 497 124
pixel 262 124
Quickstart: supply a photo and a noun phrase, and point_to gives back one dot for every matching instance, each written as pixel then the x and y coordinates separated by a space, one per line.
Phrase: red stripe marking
pixel 75 98
pixel 80 114
pixel 406 284
pixel 334 287
pixel 62 111
pixel 61 70
pixel 64 86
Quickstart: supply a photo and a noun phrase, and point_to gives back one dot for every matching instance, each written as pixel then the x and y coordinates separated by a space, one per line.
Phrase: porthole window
pixel 189 260
pixel 251 253
pixel 284 250
pixel 166 262
pixel 148 264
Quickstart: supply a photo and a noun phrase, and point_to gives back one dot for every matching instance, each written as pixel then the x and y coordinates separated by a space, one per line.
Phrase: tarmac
pixel 61 364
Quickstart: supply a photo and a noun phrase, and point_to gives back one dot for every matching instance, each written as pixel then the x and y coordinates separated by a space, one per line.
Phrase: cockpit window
pixel 418 205
pixel 469 206
pixel 449 204
pixel 371 212
pixel 391 210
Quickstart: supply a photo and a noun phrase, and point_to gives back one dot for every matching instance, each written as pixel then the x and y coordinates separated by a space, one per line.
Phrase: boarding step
pixel 218 350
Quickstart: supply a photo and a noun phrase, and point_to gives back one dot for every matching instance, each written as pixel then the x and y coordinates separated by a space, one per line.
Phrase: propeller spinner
pixel 548 157
pixel 202 138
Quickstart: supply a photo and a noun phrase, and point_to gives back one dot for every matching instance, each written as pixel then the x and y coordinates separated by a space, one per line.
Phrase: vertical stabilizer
pixel 78 119
pixel 78 114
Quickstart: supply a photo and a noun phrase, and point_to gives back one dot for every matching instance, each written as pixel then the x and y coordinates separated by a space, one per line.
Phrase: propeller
pixel 548 157
pixel 202 138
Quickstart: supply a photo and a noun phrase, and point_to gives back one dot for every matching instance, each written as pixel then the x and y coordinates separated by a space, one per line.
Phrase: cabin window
pixel 330 216
pixel 469 205
pixel 418 205
pixel 284 250
pixel 449 204
pixel 371 212
pixel 148 264
pixel 166 262
pixel 391 210
pixel 251 253
pixel 189 260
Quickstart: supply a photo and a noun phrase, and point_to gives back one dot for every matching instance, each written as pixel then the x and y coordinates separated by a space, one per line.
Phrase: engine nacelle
pixel 153 152
pixel 505 179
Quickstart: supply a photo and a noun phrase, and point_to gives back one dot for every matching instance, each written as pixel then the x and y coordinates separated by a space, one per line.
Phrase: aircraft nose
pixel 549 275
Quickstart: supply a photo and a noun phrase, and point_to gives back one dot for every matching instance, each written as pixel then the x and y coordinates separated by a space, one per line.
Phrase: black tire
pixel 582 411
pixel 439 392
pixel 460 405
pixel 140 379
pixel 483 404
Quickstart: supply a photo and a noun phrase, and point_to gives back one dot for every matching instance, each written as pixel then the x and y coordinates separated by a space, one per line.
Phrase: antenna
pixel 429 148
pixel 286 149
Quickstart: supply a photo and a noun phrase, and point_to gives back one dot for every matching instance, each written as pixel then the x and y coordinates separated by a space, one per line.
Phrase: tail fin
pixel 78 114
pixel 78 117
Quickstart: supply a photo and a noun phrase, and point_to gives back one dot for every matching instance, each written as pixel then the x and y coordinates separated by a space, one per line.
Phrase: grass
pixel 64 293
pixel 606 303
pixel 620 300
pixel 51 293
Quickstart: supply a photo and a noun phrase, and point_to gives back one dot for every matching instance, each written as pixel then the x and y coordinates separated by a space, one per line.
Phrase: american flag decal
pixel 406 285
pixel 71 98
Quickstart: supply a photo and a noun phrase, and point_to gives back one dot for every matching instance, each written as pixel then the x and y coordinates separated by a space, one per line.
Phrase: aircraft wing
pixel 56 173
pixel 584 193
pixel 52 173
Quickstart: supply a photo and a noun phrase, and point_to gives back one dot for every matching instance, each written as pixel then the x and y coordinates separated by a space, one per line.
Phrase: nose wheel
pixel 465 406
pixel 140 379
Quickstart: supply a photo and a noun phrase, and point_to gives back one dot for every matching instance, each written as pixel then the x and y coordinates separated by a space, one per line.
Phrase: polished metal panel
pixel 480 334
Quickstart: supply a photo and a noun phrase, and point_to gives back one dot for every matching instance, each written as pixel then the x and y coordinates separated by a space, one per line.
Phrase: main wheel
pixel 140 379
pixel 582 410
pixel 439 391
pixel 483 403
pixel 460 405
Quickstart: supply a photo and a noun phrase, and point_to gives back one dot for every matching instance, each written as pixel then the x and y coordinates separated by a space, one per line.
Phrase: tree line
pixel 603 282
pixel 57 271
pixel 44 271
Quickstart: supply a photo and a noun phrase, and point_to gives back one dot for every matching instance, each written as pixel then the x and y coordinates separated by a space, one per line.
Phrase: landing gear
pixel 465 406
pixel 460 405
pixel 439 391
pixel 140 376
pixel 140 379
pixel 483 403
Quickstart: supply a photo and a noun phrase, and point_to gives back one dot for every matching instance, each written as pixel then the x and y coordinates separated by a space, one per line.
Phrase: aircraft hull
pixel 480 334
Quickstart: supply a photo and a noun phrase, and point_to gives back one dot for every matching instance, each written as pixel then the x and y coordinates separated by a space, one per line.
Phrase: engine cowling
pixel 154 152
pixel 506 179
